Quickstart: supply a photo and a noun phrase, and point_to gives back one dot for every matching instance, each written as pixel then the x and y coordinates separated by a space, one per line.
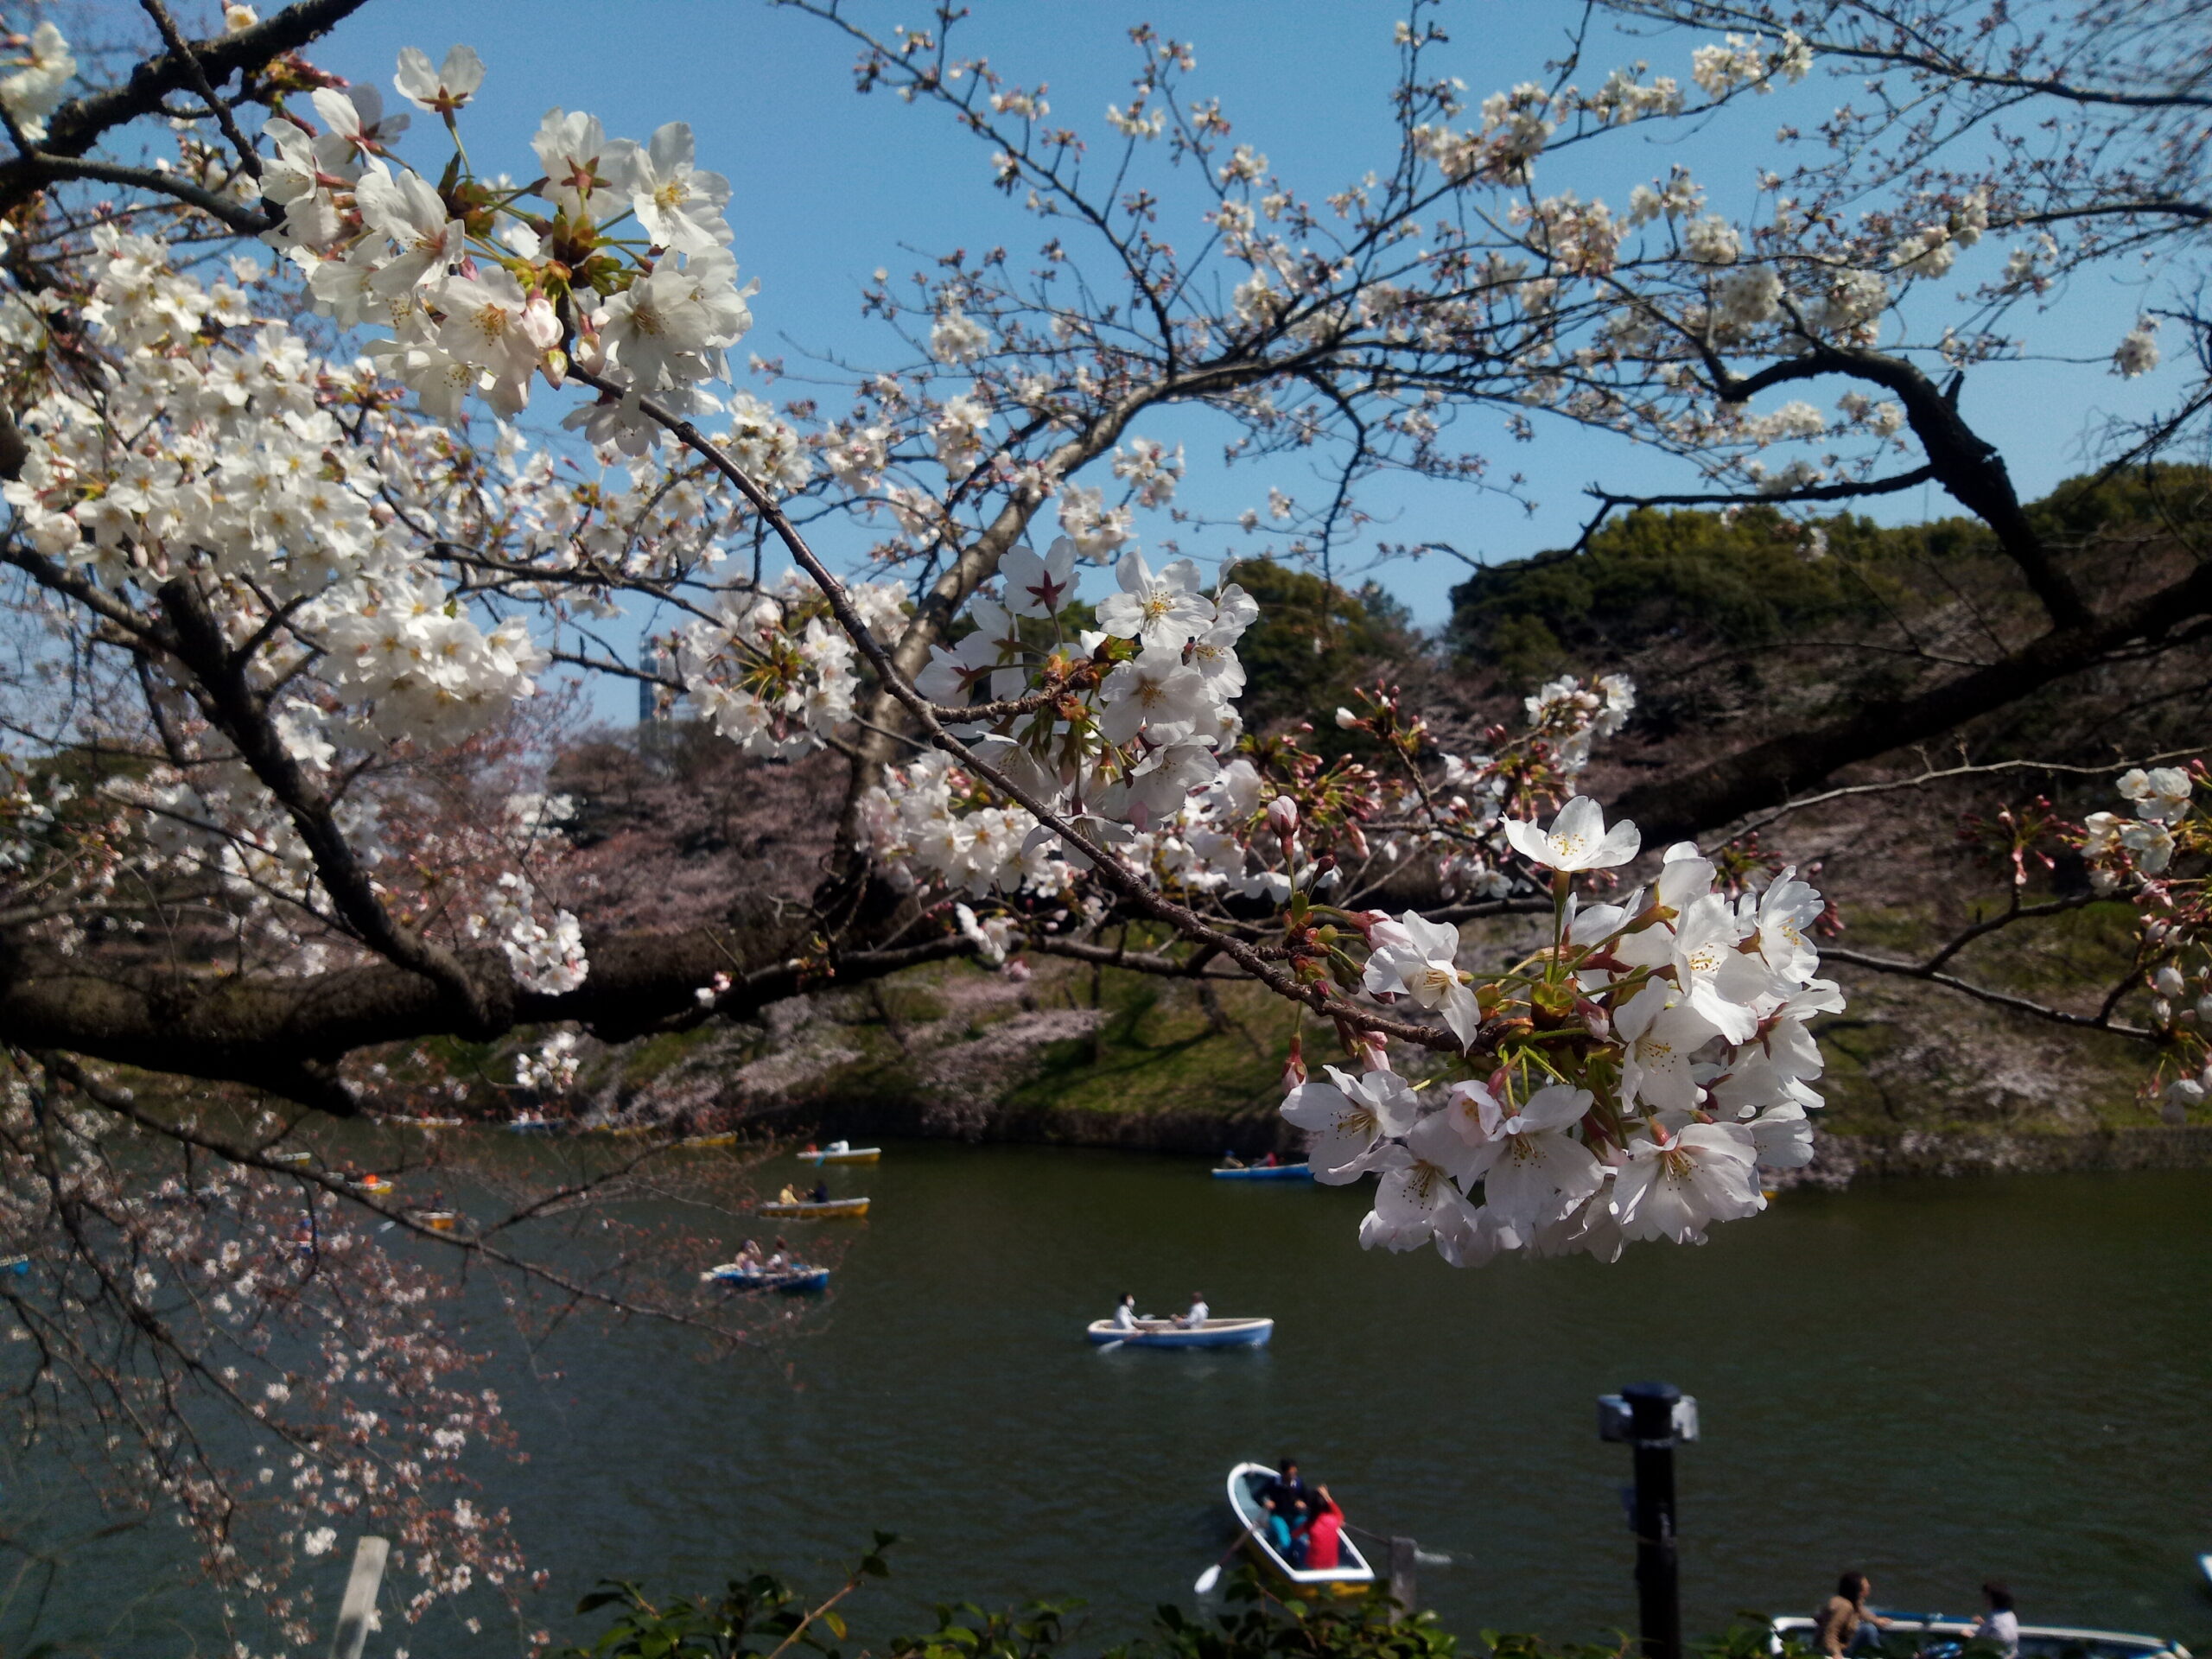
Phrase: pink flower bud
pixel 1293 1068
pixel 1372 1052
pixel 1282 815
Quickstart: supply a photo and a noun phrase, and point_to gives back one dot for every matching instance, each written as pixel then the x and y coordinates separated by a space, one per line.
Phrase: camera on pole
pixel 1651 1418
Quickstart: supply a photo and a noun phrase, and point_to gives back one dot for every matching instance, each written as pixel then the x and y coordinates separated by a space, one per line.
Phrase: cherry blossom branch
pixel 1110 870
pixel 1934 975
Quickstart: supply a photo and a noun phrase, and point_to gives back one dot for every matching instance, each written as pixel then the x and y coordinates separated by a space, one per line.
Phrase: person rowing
pixel 1125 1312
pixel 1196 1319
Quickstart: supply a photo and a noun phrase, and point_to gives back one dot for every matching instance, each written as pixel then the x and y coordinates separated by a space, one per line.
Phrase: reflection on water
pixel 1938 1382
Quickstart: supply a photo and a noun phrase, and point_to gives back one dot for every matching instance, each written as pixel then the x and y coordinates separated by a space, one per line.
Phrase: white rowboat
pixel 843 1155
pixel 1166 1333
pixel 1351 1576
pixel 1943 1634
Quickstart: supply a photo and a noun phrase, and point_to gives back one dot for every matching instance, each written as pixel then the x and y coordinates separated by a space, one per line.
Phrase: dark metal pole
pixel 1658 1587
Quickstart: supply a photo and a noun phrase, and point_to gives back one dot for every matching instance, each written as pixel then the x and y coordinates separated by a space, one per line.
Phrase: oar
pixel 1212 1576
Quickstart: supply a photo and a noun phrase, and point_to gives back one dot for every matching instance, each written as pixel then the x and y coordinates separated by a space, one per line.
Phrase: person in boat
pixel 1284 1492
pixel 1843 1618
pixel 1125 1312
pixel 1267 1162
pixel 809 1150
pixel 748 1259
pixel 820 1193
pixel 1196 1319
pixel 788 1195
pixel 781 1262
pixel 1324 1532
pixel 2000 1625
pixel 1288 1531
pixel 1230 1160
pixel 841 1146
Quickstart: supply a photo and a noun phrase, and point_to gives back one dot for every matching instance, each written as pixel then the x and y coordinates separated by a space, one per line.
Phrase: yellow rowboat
pixel 834 1209
pixel 439 1221
pixel 843 1155
pixel 729 1140
pixel 373 1183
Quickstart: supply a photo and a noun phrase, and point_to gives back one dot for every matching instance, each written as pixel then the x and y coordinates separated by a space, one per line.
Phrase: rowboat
pixel 1945 1636
pixel 1166 1333
pixel 728 1139
pixel 831 1210
pixel 438 1221
pixel 373 1183
pixel 533 1125
pixel 411 1123
pixel 792 1281
pixel 294 1159
pixel 1351 1576
pixel 1266 1172
pixel 843 1155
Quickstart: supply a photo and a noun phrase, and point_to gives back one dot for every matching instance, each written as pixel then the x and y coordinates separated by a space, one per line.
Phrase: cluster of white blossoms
pixel 544 956
pixel 1122 729
pixel 2145 843
pixel 773 671
pixel 240 467
pixel 1649 1064
pixel 483 288
pixel 2138 352
pixel 37 88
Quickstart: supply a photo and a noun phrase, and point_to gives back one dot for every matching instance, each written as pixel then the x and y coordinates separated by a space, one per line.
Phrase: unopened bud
pixel 1371 1051
pixel 1346 719
pixel 1282 815
pixel 2168 980
pixel 1595 1020
pixel 1294 1067
pixel 1357 838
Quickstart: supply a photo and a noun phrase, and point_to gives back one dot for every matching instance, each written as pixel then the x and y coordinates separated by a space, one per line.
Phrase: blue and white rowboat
pixel 1948 1634
pixel 793 1282
pixel 1166 1333
pixel 1266 1172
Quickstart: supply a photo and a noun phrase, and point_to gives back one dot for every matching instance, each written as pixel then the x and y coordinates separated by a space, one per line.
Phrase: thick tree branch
pixel 82 122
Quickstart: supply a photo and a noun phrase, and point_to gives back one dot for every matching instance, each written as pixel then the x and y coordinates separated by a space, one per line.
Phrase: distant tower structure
pixel 653 717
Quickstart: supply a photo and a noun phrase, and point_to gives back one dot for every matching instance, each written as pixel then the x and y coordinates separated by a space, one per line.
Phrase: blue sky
pixel 828 185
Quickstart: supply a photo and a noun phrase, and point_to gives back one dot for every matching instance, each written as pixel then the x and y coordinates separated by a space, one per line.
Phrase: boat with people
pixel 531 1123
pixel 373 1184
pixel 407 1121
pixel 1944 1636
pixel 1263 1173
pixel 1351 1576
pixel 821 1208
pixel 726 1139
pixel 1170 1333
pixel 840 1152
pixel 792 1280
pixel 439 1221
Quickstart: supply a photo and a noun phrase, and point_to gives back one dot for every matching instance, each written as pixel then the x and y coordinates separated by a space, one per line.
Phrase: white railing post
pixel 359 1607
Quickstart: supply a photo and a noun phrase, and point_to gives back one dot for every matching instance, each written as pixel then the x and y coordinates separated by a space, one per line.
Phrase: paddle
pixel 1212 1576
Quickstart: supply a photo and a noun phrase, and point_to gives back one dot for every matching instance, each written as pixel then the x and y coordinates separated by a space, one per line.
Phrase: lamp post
pixel 1652 1417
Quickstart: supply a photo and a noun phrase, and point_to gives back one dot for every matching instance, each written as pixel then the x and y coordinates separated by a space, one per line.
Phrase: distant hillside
pixel 1731 626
